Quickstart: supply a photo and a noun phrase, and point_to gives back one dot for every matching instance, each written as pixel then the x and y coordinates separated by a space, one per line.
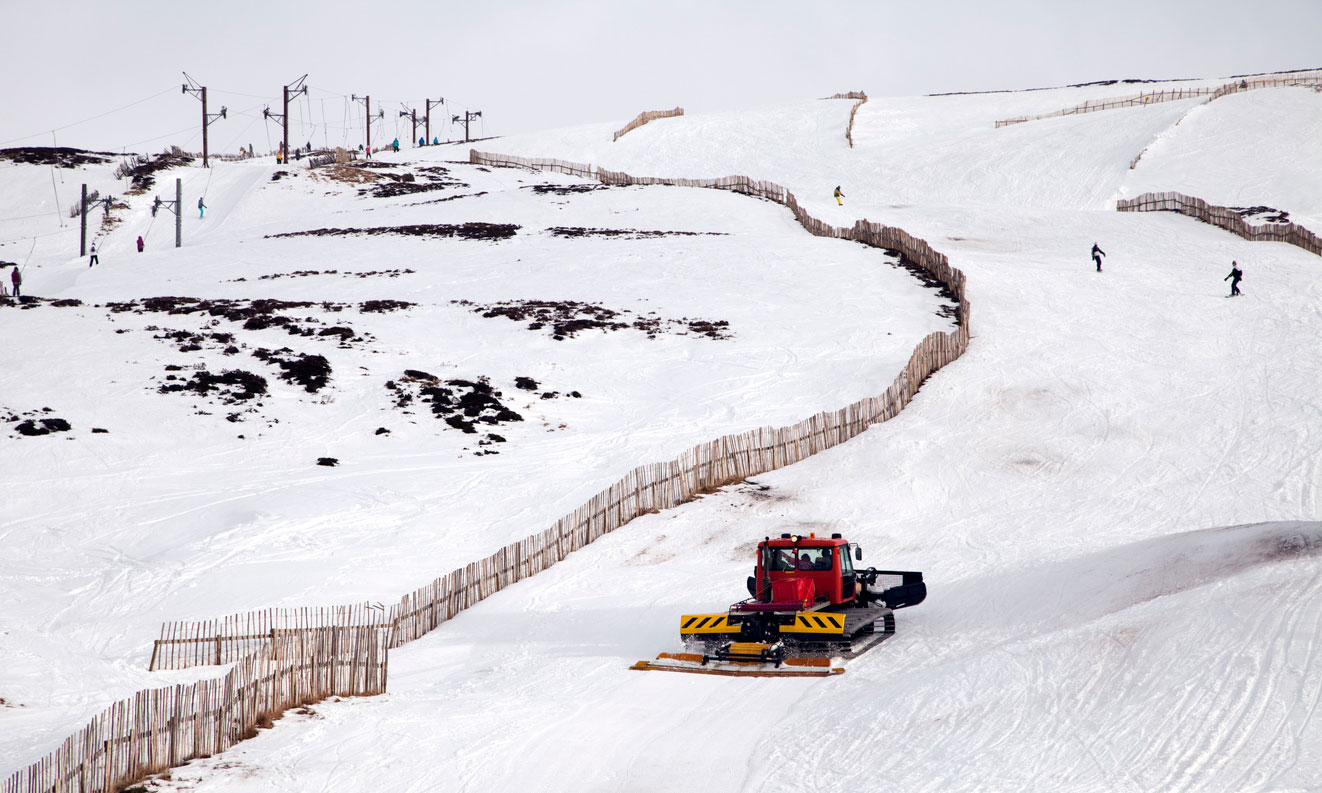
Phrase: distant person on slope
pixel 1236 275
pixel 93 260
pixel 16 279
pixel 140 243
pixel 839 195
pixel 201 208
pixel 1097 254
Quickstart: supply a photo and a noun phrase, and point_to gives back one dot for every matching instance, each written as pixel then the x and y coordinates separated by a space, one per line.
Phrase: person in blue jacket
pixel 201 208
pixel 435 141
pixel 422 141
pixel 394 145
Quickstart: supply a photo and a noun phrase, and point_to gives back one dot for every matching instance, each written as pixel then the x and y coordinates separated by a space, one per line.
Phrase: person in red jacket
pixel 16 279
pixel 140 243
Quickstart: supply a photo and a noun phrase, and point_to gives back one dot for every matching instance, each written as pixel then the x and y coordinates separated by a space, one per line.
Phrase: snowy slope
pixel 177 512
pixel 1209 155
pixel 1113 494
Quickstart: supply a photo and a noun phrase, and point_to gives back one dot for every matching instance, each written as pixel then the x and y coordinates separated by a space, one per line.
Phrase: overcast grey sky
pixel 538 65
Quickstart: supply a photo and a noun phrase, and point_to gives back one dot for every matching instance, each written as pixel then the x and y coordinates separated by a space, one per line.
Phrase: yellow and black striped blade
pixel 697 624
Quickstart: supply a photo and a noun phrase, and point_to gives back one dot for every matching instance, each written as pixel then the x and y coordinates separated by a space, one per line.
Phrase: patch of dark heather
pixel 312 372
pixel 563 189
pixel 468 231
pixel 626 234
pixel 564 319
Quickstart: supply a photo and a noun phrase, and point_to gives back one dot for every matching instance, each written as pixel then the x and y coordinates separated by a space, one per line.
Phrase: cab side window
pixel 785 561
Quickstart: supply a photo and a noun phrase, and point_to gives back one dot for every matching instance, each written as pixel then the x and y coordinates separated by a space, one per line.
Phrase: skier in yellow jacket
pixel 839 195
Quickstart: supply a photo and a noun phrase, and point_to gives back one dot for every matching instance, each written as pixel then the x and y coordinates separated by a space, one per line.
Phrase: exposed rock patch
pixel 307 273
pixel 231 386
pixel 948 310
pixel 30 301
pixel 467 231
pixel 563 189
pixel 407 184
pixel 384 306
pixel 32 423
pixel 566 318
pixel 1260 214
pixel 312 372
pixel 448 198
pixel 470 406
pixel 59 156
pixel 626 234
pixel 254 314
pixel 33 427
pixel 142 170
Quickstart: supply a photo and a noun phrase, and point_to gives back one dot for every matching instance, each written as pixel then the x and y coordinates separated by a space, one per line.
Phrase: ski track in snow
pixel 1088 628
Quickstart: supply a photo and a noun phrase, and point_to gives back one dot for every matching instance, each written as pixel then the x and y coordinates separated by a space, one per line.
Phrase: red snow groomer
pixel 809 604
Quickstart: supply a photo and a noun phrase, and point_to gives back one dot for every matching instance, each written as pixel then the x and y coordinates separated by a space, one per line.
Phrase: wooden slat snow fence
pixel 158 729
pixel 861 97
pixel 287 657
pixel 1224 217
pixel 645 489
pixel 643 118
pixel 1309 78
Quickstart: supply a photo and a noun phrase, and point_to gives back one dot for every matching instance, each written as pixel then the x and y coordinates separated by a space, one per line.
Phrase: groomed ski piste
pixel 1113 494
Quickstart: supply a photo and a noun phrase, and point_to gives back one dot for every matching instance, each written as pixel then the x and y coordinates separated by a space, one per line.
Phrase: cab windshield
pixel 814 559
pixel 789 560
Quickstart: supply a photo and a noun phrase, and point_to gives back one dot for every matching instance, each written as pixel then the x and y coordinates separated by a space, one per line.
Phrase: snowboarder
pixel 1235 276
pixel 1097 254
pixel 140 243
pixel 17 280
pixel 93 260
pixel 839 195
pixel 422 142
pixel 201 208
pixel 435 140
